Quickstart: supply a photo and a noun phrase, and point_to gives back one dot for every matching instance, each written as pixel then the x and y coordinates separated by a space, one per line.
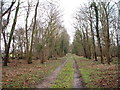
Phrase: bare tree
pixel 11 35
pixel 26 30
pixel 97 29
pixel 33 30
pixel 92 34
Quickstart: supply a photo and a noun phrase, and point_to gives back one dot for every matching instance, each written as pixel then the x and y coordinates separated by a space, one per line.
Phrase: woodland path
pixel 77 82
pixel 50 79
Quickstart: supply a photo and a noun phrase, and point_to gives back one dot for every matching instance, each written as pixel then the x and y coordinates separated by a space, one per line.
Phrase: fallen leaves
pixel 102 76
pixel 27 75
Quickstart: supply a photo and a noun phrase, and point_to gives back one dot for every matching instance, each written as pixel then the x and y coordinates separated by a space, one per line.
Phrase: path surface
pixel 78 81
pixel 50 79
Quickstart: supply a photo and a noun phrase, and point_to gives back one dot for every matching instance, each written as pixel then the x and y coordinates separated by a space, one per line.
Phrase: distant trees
pixel 64 43
pixel 43 37
pixel 94 24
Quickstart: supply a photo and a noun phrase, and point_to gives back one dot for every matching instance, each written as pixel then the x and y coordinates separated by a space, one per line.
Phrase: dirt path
pixel 50 79
pixel 78 81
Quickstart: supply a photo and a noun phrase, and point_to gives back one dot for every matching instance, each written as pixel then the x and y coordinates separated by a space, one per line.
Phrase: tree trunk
pixel 93 40
pixel 118 34
pixel 107 42
pixel 88 44
pixel 84 48
pixel 84 44
pixel 26 32
pixel 21 50
pixel 11 35
pixel 31 46
pixel 13 45
pixel 42 59
pixel 0 36
pixel 97 31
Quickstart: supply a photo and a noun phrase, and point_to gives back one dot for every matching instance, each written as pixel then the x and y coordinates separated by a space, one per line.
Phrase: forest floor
pixel 68 72
pixel 97 75
pixel 19 74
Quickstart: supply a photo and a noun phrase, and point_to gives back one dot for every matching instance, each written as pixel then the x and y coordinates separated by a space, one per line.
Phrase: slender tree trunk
pixel 0 36
pixel 107 42
pixel 21 50
pixel 0 50
pixel 88 45
pixel 118 36
pixel 13 45
pixel 84 44
pixel 85 53
pixel 11 35
pixel 93 40
pixel 3 29
pixel 26 32
pixel 42 52
pixel 97 31
pixel 84 48
pixel 31 46
pixel 42 59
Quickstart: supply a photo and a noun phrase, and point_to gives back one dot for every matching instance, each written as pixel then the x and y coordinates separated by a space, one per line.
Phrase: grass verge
pixel 97 75
pixel 65 77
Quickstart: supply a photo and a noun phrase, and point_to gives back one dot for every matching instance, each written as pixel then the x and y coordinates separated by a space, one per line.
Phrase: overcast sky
pixel 69 7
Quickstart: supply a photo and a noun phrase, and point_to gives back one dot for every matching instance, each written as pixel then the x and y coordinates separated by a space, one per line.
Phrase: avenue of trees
pixel 96 31
pixel 41 36
pixel 32 30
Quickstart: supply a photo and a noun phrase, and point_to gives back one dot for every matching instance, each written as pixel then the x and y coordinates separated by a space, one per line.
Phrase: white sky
pixel 69 7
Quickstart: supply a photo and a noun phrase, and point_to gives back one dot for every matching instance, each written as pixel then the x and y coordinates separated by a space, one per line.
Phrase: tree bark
pixel 106 30
pixel 0 33
pixel 11 35
pixel 93 40
pixel 97 31
pixel 31 46
pixel 13 45
pixel 88 44
pixel 26 32
pixel 107 41
pixel 118 35
pixel 83 44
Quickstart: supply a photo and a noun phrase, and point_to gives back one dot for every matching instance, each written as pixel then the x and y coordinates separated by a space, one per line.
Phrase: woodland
pixel 36 52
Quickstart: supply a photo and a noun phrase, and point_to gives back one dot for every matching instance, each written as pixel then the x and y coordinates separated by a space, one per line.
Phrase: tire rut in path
pixel 50 79
pixel 78 81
